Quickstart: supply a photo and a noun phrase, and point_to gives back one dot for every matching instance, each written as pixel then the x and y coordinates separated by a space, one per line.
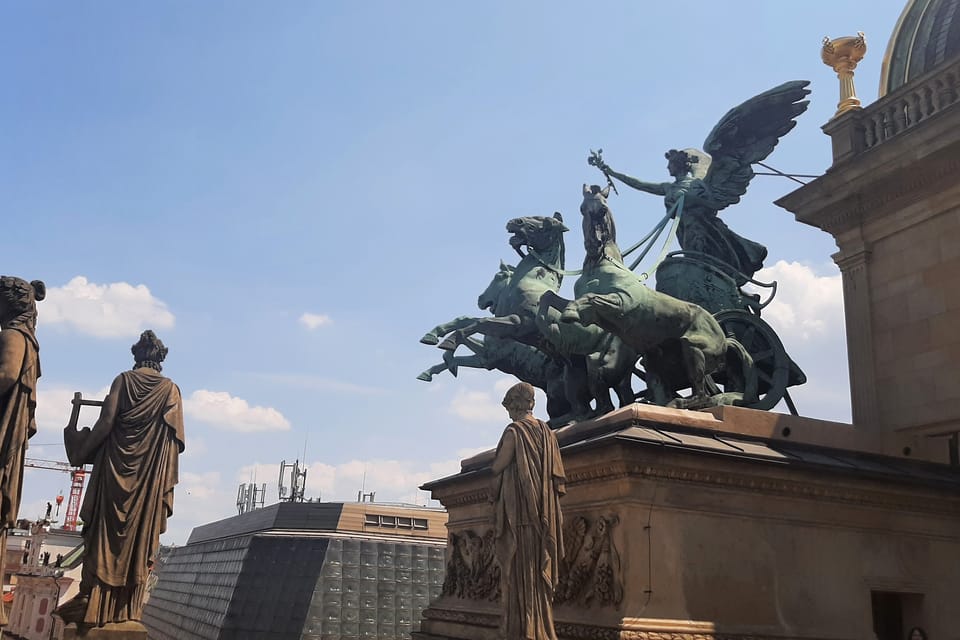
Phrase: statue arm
pixel 505 453
pixel 108 414
pixel 656 188
pixel 12 349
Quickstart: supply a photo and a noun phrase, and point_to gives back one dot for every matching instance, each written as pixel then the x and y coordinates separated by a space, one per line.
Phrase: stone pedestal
pixel 120 631
pixel 730 524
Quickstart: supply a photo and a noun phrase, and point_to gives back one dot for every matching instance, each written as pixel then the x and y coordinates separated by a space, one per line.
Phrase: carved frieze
pixel 472 570
pixel 589 573
pixel 590 569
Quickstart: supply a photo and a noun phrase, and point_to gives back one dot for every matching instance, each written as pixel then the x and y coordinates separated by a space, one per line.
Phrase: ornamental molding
pixel 856 209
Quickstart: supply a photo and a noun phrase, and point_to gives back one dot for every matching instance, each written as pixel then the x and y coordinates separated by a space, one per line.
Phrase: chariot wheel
pixel 770 359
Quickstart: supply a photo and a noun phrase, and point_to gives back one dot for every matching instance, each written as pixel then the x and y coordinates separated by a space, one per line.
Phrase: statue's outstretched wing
pixel 748 134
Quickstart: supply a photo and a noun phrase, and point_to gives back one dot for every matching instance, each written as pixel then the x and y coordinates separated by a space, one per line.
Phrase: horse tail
pixel 741 375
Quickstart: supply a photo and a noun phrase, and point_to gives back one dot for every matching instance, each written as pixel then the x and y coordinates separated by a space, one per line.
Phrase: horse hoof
pixel 449 344
pixel 426 377
pixel 430 339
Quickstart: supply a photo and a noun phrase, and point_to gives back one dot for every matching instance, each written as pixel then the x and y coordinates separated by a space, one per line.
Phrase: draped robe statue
pixel 134 449
pixel 529 481
pixel 19 370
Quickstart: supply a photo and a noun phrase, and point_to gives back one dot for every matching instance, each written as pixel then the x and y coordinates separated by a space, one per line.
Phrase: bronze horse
pixel 681 343
pixel 594 362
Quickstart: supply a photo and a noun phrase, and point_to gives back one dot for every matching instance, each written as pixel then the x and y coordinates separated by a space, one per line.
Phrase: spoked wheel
pixel 770 359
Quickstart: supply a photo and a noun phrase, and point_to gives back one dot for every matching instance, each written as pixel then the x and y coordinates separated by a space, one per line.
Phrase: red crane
pixel 77 477
pixel 77 472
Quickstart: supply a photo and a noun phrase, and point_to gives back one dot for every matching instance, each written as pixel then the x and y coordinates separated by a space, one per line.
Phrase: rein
pixel 650 239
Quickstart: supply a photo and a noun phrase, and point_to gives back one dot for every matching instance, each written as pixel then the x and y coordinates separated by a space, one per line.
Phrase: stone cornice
pixel 836 204
pixel 629 629
pixel 806 489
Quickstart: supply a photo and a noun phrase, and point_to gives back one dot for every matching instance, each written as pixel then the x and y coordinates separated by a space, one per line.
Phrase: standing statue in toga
pixel 529 481
pixel 134 448
pixel 19 370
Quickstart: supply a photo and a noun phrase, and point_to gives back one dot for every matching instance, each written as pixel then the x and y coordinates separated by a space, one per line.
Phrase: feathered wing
pixel 748 134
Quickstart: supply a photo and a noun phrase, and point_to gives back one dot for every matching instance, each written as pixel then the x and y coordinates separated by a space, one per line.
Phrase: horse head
pixel 501 280
pixel 595 201
pixel 542 234
pixel 599 229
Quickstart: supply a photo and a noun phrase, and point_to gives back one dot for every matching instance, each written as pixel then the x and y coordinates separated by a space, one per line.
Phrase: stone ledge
pixel 131 630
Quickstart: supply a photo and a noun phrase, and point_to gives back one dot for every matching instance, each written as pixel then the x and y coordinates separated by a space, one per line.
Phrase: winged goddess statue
pixel 715 178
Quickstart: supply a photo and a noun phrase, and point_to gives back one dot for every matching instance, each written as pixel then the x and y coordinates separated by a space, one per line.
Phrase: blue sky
pixel 217 170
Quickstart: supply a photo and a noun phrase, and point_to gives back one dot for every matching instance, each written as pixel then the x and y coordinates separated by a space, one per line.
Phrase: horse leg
pixel 624 390
pixel 695 366
pixel 501 327
pixel 617 372
pixel 452 363
pixel 596 383
pixel 557 403
pixel 432 337
pixel 577 386
pixel 427 376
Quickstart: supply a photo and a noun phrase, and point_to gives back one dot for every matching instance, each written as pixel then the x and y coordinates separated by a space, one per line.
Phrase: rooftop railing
pixel 910 105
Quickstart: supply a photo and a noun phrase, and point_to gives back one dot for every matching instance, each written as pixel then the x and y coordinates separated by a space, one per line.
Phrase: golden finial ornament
pixel 842 55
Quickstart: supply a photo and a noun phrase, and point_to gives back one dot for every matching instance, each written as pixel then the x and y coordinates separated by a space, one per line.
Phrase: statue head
pixel 18 302
pixel 680 163
pixel 519 400
pixel 148 351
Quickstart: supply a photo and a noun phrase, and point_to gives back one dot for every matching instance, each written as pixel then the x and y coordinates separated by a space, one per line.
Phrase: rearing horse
pixel 593 361
pixel 539 271
pixel 681 342
pixel 527 363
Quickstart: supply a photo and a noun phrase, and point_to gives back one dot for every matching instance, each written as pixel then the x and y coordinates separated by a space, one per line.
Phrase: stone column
pixel 856 301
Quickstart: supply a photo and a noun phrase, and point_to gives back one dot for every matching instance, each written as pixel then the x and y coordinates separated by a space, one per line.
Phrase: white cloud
pixel 195 446
pixel 315 320
pixel 473 405
pixel 114 310
pixel 200 498
pixel 390 480
pixel 54 405
pixel 221 410
pixel 476 406
pixel 807 314
pixel 807 306
pixel 200 485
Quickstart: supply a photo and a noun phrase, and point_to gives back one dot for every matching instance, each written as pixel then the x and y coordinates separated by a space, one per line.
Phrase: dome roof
pixel 927 34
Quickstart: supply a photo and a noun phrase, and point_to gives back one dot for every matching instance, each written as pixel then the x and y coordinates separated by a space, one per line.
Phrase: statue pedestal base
pixel 118 631
pixel 732 523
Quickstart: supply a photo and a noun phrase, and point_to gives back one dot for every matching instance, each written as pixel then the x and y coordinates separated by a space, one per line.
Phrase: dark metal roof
pixel 287 516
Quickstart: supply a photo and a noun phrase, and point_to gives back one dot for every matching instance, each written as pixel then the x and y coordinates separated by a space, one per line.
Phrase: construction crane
pixel 77 477
pixel 77 472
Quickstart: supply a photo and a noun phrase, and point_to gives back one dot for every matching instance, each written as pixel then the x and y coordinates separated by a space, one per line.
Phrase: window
pixel 394 522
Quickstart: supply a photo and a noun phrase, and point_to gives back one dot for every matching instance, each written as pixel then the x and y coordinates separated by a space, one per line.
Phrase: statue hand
pixel 596 160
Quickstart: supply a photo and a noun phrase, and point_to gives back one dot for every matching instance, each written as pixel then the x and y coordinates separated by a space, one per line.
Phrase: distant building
pixel 302 570
pixel 45 572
